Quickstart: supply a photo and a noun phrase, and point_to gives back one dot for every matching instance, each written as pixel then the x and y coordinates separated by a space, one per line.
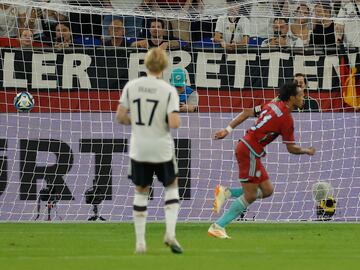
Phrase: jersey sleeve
pixel 245 26
pixel 257 110
pixel 173 102
pixel 220 25
pixel 124 99
pixel 341 14
pixel 287 130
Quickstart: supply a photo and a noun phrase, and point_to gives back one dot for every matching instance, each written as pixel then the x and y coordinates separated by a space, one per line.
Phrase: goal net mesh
pixel 67 159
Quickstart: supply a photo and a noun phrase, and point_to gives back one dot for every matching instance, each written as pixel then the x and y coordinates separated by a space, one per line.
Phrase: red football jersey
pixel 274 119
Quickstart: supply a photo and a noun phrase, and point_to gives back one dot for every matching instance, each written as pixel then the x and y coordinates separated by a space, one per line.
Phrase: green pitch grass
pixel 111 246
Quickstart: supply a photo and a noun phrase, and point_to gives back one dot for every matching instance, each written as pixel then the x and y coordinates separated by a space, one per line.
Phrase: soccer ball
pixel 321 191
pixel 24 102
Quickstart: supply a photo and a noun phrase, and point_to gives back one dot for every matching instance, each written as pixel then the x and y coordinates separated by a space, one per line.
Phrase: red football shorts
pixel 251 169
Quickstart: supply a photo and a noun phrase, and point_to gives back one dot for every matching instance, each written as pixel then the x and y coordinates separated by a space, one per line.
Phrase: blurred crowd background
pixel 283 23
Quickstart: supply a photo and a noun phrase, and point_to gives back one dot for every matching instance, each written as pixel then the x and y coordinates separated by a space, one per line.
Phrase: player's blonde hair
pixel 156 60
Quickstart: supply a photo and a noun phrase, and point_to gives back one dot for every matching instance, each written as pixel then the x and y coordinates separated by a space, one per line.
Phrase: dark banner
pixel 109 69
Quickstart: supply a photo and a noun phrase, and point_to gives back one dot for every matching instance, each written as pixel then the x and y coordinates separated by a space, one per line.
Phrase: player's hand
pixel 220 134
pixel 311 151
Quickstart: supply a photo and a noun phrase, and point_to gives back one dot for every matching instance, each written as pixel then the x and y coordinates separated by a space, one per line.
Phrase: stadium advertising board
pixel 64 80
pixel 102 68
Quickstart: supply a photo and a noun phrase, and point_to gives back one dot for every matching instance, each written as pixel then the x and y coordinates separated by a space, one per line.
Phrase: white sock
pixel 259 194
pixel 171 210
pixel 139 216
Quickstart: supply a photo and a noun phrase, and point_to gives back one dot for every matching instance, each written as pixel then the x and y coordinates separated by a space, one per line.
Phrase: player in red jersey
pixel 274 119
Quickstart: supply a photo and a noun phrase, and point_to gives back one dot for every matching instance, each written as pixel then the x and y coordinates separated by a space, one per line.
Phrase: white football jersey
pixel 150 100
pixel 227 28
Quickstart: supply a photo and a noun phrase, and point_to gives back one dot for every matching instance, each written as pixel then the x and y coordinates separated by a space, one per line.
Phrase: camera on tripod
pixel 51 197
pixel 326 208
pixel 325 202
pixel 94 196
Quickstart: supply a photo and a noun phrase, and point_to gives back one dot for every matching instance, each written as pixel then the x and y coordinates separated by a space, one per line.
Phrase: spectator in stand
pixel 282 37
pixel 337 5
pixel 86 28
pixel 189 99
pixel 63 36
pixel 157 37
pixel 281 8
pixel 261 13
pixel 133 25
pixel 182 28
pixel 30 17
pixel 116 33
pixel 202 31
pixel 348 25
pixel 8 20
pixel 300 28
pixel 26 38
pixel 232 30
pixel 324 28
pixel 310 104
pixel 50 18
pixel 54 16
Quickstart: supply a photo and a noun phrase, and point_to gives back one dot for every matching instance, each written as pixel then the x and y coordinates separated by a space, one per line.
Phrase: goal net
pixel 67 159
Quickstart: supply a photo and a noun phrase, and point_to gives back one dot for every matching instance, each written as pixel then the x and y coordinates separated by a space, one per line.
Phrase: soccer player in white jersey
pixel 151 106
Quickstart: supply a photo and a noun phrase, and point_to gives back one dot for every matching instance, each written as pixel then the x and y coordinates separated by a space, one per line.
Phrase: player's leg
pixel 257 187
pixel 224 193
pixel 171 208
pixel 141 175
pixel 236 209
pixel 251 174
pixel 171 214
pixel 167 174
pixel 139 216
pixel 235 192
pixel 266 189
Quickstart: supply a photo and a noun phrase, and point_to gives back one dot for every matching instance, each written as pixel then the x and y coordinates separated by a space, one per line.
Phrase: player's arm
pixel 122 111
pixel 173 109
pixel 122 115
pixel 245 114
pixel 298 150
pixel 174 120
pixel 287 133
